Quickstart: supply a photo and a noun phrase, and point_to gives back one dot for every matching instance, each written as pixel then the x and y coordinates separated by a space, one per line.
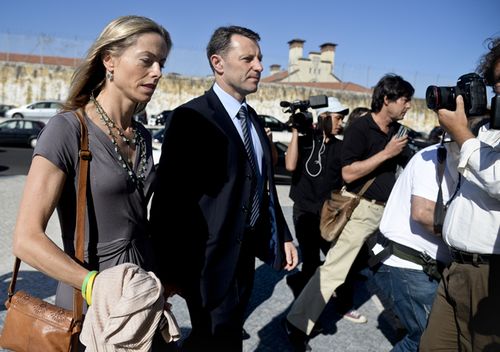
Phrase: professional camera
pixel 495 112
pixel 301 119
pixel 470 86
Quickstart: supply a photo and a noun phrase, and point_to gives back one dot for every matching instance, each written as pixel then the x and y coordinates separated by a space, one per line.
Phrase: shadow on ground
pixel 33 282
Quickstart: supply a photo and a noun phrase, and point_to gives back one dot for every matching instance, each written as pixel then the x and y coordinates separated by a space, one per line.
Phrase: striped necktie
pixel 247 141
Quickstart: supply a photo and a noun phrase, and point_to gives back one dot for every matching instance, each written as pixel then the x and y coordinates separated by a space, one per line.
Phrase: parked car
pixel 141 117
pixel 157 141
pixel 281 174
pixel 159 119
pixel 281 131
pixel 4 108
pixel 20 132
pixel 417 141
pixel 40 109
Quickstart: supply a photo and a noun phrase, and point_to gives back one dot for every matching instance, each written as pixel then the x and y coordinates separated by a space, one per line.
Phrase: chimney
pixel 274 68
pixel 328 53
pixel 295 52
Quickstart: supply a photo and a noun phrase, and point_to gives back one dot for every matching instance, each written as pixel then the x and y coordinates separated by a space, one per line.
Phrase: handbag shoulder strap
pixel 365 187
pixel 85 156
pixel 81 203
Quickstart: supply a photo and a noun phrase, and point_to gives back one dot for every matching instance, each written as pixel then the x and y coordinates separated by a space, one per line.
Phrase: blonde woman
pixel 116 79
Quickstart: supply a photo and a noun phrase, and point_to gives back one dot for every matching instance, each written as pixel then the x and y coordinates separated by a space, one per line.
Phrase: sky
pixel 428 42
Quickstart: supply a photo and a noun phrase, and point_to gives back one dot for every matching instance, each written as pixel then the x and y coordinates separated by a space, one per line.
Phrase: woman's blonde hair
pixel 118 35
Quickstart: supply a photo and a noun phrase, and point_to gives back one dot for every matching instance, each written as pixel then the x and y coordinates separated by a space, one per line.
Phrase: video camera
pixel 473 90
pixel 301 119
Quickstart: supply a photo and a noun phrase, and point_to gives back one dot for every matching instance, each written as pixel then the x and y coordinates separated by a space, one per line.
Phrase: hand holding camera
pixel 455 122
pixel 472 89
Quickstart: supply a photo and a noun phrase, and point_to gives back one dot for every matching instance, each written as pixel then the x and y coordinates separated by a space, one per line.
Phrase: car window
pixel 55 105
pixel 28 125
pixel 273 123
pixel 11 125
pixel 38 106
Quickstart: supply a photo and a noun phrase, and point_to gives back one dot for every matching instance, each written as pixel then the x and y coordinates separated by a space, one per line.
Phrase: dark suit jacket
pixel 202 197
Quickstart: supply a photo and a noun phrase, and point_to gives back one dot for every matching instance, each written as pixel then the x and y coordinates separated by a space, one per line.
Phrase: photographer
pixel 314 160
pixel 465 313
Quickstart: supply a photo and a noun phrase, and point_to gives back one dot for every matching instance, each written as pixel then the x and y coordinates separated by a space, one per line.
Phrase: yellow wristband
pixel 88 290
pixel 85 282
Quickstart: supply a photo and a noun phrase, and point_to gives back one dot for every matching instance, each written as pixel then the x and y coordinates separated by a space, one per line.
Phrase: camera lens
pixel 432 97
pixel 440 98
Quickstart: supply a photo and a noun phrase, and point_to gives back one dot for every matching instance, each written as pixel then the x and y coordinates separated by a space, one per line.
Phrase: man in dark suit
pixel 215 205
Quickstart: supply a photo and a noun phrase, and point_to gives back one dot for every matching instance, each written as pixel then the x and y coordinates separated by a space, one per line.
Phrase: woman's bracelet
pixel 89 286
pixel 85 282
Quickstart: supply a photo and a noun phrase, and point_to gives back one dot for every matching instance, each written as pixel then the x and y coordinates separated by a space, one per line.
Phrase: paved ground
pixel 270 301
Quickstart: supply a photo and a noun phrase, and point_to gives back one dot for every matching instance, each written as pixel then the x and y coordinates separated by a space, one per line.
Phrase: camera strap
pixel 318 163
pixel 440 208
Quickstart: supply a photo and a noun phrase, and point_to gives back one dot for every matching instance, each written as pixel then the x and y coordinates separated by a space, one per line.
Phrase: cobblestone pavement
pixel 269 304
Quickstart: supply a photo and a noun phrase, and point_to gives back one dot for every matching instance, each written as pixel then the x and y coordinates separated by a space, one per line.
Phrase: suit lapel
pixel 221 118
pixel 264 140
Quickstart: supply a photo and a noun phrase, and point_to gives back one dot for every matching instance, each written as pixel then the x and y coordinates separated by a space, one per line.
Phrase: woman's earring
pixel 109 76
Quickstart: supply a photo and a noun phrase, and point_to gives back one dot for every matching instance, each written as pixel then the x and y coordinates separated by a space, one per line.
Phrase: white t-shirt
pixel 418 178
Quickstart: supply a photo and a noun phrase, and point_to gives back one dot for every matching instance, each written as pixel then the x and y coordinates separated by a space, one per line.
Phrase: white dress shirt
pixel 232 107
pixel 472 222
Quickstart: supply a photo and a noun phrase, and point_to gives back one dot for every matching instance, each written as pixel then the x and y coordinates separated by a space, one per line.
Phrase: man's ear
pixel 217 63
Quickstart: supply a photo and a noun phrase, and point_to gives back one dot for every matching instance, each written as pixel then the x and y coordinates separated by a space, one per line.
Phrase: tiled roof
pixel 37 59
pixel 348 86
pixel 277 77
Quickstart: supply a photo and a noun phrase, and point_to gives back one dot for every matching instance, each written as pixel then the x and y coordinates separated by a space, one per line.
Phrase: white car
pixel 39 109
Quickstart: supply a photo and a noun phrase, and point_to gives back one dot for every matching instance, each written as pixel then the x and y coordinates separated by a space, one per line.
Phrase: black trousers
pixel 219 328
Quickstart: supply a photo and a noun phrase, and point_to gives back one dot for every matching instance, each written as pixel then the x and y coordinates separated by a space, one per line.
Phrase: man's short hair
pixel 221 40
pixel 393 87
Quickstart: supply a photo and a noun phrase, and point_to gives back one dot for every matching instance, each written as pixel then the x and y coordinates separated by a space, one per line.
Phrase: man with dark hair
pixel 215 205
pixel 314 160
pixel 370 151
pixel 465 313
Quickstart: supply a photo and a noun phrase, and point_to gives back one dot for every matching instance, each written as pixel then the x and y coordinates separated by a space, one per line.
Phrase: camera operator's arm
pixel 422 211
pixel 292 153
pixel 361 168
pixel 479 162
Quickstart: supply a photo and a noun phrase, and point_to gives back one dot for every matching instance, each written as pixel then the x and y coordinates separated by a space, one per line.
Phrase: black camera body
pixel 495 112
pixel 470 86
pixel 301 119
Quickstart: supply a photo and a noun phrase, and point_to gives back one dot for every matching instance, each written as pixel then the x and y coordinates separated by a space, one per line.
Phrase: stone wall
pixel 22 83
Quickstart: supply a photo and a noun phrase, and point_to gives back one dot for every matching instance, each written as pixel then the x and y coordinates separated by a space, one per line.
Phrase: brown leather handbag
pixel 32 324
pixel 337 211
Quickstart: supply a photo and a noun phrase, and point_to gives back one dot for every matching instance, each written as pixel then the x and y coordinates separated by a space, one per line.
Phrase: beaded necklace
pixel 137 140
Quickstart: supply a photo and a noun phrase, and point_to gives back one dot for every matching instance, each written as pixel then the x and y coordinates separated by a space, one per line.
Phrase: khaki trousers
pixel 307 308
